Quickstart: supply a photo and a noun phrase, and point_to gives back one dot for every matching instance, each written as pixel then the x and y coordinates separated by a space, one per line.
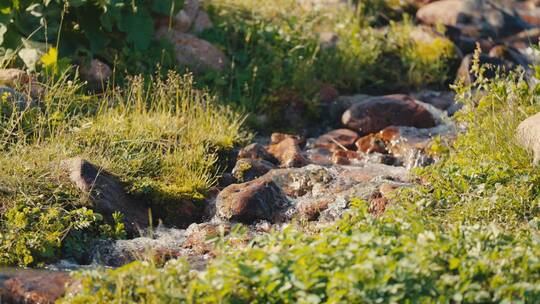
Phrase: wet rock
pixel 248 169
pixel 198 54
pixel 319 156
pixel 33 286
pixel 475 18
pixel 96 74
pixel 158 246
pixel 491 64
pixel 377 113
pixel 371 144
pixel 106 192
pixel 410 145
pixel 528 136
pixel 348 157
pixel 199 236
pixel 529 11
pixel 324 193
pixel 340 139
pixel 524 39
pixel 288 152
pixel 258 152
pixel 13 77
pixel 260 199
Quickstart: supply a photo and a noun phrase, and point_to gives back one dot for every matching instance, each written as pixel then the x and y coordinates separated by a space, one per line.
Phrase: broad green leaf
pixel 139 28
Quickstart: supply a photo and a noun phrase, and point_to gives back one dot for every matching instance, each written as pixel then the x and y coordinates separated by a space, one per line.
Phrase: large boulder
pixel 476 18
pixel 377 113
pixel 528 136
pixel 106 193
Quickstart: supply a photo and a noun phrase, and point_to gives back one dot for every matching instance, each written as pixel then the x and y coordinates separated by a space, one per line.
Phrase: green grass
pixel 397 258
pixel 160 137
pixel 469 233
pixel 486 176
pixel 278 64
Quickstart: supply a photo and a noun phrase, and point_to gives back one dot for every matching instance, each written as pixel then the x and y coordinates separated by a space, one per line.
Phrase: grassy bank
pixel 161 137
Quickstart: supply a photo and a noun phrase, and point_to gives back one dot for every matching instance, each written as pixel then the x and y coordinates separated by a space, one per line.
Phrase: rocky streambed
pixel 277 181
pixel 285 179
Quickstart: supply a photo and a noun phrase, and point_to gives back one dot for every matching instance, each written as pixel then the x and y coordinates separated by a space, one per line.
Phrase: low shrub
pixel 396 258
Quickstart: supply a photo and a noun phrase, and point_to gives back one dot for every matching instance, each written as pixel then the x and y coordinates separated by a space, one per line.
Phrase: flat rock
pixel 337 140
pixel 377 113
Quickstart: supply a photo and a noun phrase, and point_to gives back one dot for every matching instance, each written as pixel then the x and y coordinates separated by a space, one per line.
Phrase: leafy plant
pixel 83 28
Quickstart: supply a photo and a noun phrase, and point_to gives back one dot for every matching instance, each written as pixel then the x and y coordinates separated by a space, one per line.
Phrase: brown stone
pixel 106 193
pixel 276 138
pixel 341 139
pixel 288 153
pixel 260 199
pixel 247 169
pixel 256 151
pixel 371 144
pixel 13 77
pixel 35 287
pixel 312 210
pixel 377 113
pixel 343 157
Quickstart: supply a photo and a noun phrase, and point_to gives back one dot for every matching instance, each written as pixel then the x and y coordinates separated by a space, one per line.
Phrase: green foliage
pixel 486 176
pixel 118 31
pixel 397 258
pixel 279 63
pixel 161 137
